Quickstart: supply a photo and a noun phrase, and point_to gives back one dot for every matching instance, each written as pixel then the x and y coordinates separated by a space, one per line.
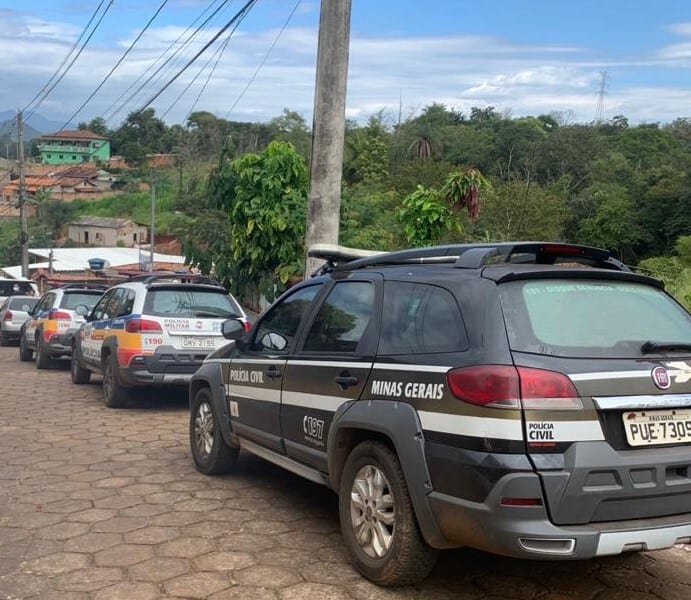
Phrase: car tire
pixel 25 354
pixel 211 454
pixel 78 374
pixel 41 356
pixel 115 394
pixel 3 338
pixel 377 518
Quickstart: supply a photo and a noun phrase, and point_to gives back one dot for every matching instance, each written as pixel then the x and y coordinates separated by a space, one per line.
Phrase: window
pixel 590 318
pixel 70 300
pixel 100 311
pixel 86 237
pixel 420 319
pixel 343 318
pixel 25 304
pixel 278 328
pixel 126 303
pixel 190 303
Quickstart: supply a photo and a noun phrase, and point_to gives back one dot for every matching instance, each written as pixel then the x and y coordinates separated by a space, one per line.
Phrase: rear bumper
pixel 527 532
pixel 167 366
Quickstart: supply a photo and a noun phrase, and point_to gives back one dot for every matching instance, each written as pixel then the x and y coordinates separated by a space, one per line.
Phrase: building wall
pixel 67 152
pixel 127 235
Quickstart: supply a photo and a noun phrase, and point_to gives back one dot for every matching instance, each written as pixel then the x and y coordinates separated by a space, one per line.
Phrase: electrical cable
pixel 117 64
pixel 67 56
pixel 263 61
pixel 111 115
pixel 240 14
pixel 88 39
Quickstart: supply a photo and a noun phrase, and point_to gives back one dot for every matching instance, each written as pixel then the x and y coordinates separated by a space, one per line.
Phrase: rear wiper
pixel 651 347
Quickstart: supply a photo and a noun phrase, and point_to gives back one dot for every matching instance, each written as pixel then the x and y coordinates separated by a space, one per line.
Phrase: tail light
pixel 8 316
pixel 503 386
pixel 59 315
pixel 141 325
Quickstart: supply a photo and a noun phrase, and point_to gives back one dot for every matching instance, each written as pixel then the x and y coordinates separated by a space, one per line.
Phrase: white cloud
pixel 459 71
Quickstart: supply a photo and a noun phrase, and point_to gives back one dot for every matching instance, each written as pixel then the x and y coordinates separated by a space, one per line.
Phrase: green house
pixel 73 147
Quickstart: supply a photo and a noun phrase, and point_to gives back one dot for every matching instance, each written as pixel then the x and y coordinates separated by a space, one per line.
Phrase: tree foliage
pixel 263 196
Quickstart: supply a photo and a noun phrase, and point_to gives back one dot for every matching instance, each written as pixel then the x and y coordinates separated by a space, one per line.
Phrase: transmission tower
pixel 600 111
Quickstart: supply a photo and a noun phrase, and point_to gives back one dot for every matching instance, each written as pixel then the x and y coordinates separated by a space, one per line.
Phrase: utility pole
pixel 23 228
pixel 328 127
pixel 153 217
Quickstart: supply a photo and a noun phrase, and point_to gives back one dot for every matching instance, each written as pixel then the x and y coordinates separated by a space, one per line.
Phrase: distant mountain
pixel 10 127
pixel 37 123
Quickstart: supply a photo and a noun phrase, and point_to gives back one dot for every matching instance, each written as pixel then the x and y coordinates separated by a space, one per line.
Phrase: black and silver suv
pixel 527 399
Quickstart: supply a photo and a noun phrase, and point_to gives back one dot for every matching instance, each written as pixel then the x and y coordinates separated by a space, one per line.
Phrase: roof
pixel 105 222
pixel 70 134
pixel 77 259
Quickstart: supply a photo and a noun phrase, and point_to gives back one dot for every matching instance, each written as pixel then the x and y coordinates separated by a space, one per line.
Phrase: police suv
pixel 527 399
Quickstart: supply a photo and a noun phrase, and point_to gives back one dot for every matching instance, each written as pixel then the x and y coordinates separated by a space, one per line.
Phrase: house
pixel 73 147
pixel 104 231
pixel 84 181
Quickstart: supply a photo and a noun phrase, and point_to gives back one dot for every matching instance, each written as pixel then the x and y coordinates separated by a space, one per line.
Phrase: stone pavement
pixel 106 504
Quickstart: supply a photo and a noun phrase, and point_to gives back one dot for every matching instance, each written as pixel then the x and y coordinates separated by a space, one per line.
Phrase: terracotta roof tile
pixel 69 134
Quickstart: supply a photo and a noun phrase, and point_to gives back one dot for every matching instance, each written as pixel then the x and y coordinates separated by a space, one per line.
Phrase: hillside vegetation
pixel 615 185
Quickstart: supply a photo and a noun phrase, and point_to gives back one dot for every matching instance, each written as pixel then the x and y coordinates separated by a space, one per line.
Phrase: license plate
pixel 652 428
pixel 199 343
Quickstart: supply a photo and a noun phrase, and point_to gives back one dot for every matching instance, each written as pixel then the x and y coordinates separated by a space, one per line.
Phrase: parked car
pixel 152 330
pixel 527 399
pixel 13 312
pixel 52 323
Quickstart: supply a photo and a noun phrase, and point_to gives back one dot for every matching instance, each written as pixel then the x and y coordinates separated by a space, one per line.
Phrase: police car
pixel 52 323
pixel 151 330
pixel 526 399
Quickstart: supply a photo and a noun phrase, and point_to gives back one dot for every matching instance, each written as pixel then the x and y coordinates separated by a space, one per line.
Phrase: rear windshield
pixel 25 304
pixel 70 300
pixel 191 303
pixel 590 318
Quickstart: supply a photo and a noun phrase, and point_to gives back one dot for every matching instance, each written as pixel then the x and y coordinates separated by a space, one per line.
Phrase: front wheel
pixel 212 456
pixel 377 519
pixel 114 393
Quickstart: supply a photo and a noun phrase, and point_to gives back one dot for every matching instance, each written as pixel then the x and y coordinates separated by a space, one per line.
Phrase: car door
pixel 94 333
pixel 38 316
pixel 255 374
pixel 331 367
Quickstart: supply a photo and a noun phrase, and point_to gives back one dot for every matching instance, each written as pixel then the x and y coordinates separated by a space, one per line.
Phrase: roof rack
pixel 83 286
pixel 175 277
pixel 335 255
pixel 475 256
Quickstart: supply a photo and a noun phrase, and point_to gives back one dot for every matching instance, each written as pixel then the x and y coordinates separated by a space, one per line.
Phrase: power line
pixel 81 49
pixel 110 115
pixel 67 56
pixel 239 15
pixel 117 64
pixel 263 61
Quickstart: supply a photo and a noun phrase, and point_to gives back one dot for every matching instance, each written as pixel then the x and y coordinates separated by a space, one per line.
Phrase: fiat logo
pixel 661 378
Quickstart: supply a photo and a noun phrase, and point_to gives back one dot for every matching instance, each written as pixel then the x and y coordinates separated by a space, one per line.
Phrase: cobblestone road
pixel 105 504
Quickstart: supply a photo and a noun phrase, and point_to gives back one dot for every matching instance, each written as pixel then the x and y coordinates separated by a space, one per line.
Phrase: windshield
pixel 71 300
pixel 191 303
pixel 582 318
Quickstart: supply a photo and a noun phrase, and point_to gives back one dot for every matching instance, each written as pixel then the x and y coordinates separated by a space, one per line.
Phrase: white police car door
pixel 331 367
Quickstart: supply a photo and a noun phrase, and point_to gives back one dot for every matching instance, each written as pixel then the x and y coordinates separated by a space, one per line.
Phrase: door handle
pixel 273 373
pixel 345 381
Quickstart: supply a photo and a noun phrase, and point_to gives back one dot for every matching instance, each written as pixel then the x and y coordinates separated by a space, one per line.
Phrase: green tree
pixel 426 216
pixel 264 196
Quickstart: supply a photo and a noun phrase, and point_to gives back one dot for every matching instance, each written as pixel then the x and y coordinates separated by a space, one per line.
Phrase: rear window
pixel 579 318
pixel 191 303
pixel 25 304
pixel 70 300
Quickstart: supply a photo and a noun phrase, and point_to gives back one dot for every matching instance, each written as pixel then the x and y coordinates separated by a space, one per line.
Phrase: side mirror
pixel 233 329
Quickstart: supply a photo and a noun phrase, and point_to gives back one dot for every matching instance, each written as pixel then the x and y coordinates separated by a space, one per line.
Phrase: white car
pixel 14 311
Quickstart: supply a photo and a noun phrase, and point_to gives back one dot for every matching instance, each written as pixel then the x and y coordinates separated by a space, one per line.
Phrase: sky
pixel 523 57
